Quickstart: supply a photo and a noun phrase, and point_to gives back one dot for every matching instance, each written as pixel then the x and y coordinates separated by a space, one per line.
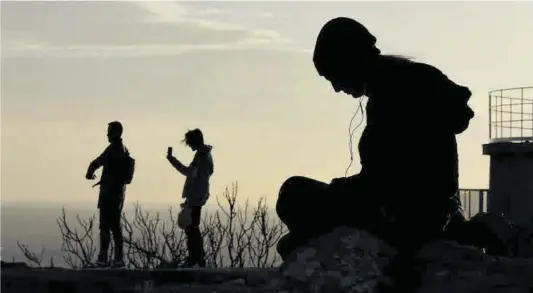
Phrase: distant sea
pixel 35 226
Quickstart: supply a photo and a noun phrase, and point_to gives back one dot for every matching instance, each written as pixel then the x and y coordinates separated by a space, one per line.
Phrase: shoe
pixel 102 261
pixel 118 264
pixel 97 265
pixel 185 266
pixel 193 265
pixel 201 263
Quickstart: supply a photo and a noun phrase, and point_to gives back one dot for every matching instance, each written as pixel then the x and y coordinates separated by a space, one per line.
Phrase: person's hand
pixel 89 176
pixel 339 184
pixel 338 181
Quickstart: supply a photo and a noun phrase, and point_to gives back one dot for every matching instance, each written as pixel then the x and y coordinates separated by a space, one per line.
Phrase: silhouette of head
pixel 114 131
pixel 344 52
pixel 194 139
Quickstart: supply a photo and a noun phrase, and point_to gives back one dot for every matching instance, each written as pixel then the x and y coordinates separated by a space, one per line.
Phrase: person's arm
pixel 451 99
pixel 344 180
pixel 97 163
pixel 184 170
pixel 447 87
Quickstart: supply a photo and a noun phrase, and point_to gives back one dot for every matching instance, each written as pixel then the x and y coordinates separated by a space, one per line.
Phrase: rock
pixel 10 265
pixel 511 239
pixel 236 282
pixel 450 267
pixel 348 260
pixel 524 241
pixel 45 280
pixel 345 260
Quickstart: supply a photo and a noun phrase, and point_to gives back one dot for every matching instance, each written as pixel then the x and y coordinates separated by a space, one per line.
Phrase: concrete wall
pixel 511 180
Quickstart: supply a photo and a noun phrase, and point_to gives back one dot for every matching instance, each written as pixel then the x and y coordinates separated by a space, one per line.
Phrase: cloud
pixel 128 29
pixel 27 50
pixel 177 13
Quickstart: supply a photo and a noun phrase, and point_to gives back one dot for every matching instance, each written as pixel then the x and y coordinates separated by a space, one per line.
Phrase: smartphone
pixel 169 151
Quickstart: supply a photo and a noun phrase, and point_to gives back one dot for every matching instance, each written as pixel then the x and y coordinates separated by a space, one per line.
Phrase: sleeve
pixel 184 170
pixel 99 161
pixel 446 87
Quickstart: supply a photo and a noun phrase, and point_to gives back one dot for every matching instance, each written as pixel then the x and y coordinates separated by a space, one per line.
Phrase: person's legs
pixel 359 206
pixel 105 236
pixel 300 199
pixel 115 216
pixel 298 207
pixel 195 242
pixel 411 229
pixel 311 208
pixel 110 206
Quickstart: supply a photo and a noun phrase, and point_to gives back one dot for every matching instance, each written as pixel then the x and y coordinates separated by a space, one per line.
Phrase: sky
pixel 240 71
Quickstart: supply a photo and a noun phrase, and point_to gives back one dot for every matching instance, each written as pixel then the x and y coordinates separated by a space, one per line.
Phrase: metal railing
pixel 473 201
pixel 511 114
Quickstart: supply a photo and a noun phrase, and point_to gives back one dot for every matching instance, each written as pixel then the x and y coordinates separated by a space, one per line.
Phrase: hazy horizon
pixel 36 227
pixel 240 71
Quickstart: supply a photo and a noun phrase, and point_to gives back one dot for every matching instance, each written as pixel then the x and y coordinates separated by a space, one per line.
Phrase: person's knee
pixel 288 193
pixel 105 232
pixel 109 223
pixel 191 230
pixel 288 185
pixel 116 230
pixel 104 226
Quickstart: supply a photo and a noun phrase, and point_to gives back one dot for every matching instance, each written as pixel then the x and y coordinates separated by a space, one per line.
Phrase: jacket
pixel 110 160
pixel 196 187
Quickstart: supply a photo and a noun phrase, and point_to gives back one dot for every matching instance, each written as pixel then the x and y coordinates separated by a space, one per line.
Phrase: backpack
pixel 127 169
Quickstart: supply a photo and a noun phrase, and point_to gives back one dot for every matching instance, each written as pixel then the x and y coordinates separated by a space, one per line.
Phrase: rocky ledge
pixel 18 279
pixel 346 260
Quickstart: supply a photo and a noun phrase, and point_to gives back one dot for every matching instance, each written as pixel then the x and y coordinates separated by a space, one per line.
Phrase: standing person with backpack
pixel 195 191
pixel 118 168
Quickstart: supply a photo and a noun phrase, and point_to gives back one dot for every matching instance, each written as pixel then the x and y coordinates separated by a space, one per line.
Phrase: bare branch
pixel 235 235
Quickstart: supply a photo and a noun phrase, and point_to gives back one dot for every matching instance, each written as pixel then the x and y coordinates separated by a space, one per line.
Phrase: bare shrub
pixel 234 236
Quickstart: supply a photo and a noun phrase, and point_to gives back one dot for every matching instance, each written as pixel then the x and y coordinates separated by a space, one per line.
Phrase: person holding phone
pixel 195 191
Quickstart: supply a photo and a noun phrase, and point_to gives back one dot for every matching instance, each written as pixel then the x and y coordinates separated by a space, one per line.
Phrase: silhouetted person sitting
pixel 407 189
pixel 195 191
pixel 118 168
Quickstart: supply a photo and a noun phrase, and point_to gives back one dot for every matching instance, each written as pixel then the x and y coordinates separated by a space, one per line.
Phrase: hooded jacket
pixel 413 113
pixel 198 173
